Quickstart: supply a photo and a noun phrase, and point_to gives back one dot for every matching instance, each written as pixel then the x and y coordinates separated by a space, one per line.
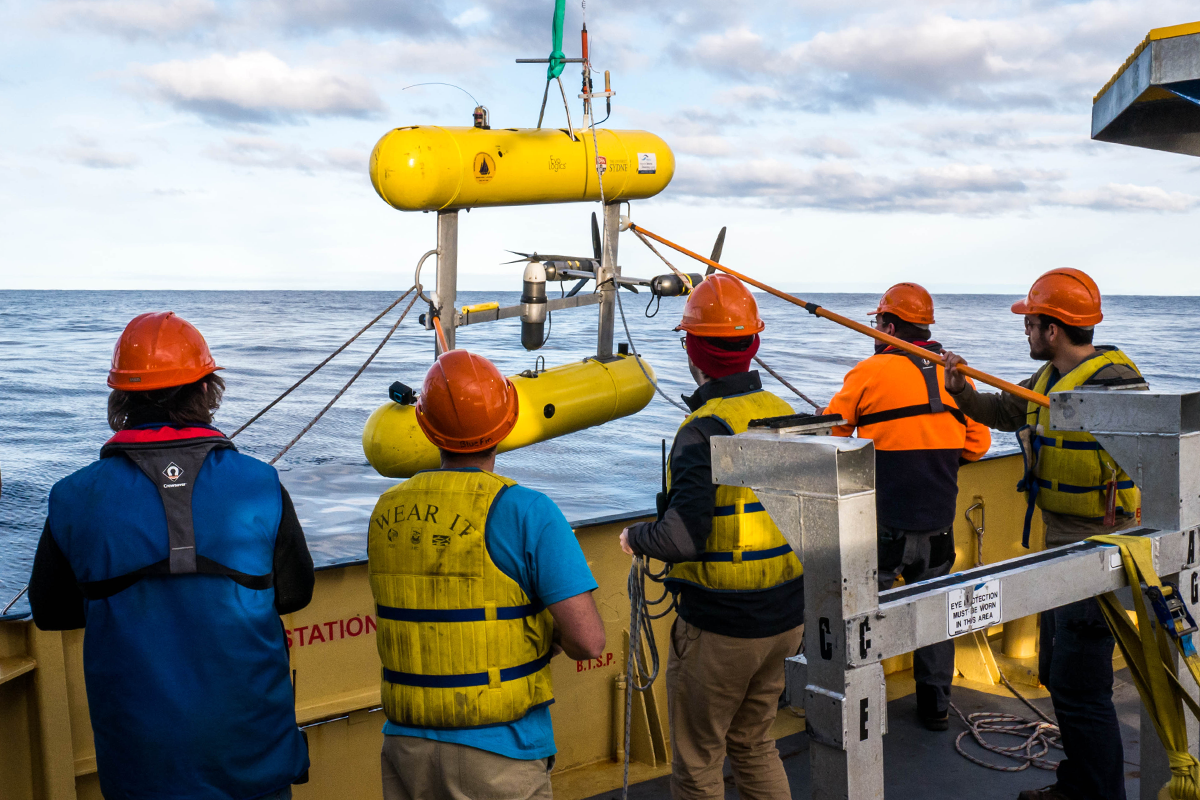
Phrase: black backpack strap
pixel 929 373
pixel 173 468
pixel 934 406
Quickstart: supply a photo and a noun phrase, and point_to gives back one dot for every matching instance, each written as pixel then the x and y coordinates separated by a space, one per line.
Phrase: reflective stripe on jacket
pixel 745 551
pixel 1073 470
pixel 920 435
pixel 461 643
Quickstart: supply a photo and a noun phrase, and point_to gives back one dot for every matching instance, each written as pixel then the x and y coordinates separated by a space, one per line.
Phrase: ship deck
pixel 917 760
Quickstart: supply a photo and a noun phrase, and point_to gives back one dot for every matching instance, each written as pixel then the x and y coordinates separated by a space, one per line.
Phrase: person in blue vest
pixel 478 583
pixel 1082 492
pixel 177 554
pixel 739 585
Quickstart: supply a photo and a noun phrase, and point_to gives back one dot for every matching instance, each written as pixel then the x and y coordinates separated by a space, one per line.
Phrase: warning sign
pixel 973 608
pixel 485 167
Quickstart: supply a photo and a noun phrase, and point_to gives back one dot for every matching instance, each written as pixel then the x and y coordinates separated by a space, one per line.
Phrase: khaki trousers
pixel 722 695
pixel 424 769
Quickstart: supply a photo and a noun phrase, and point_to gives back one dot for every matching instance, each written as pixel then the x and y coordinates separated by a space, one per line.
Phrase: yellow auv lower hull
pixel 559 401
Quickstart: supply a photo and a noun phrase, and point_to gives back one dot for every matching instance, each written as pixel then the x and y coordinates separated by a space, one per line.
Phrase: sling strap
pixel 934 406
pixel 172 466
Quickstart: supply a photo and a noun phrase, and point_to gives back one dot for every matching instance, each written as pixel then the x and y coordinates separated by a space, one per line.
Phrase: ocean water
pixel 56 347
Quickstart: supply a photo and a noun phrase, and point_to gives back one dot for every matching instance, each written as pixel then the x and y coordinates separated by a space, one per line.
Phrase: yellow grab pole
pixel 816 310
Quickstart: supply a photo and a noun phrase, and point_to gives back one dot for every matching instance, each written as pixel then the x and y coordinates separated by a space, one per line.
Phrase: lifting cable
pixel 818 311
pixel 638 358
pixel 315 369
pixel 617 291
pixel 779 378
pixel 640 618
pixel 354 377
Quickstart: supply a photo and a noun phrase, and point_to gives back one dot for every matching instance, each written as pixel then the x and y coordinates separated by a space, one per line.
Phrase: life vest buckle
pixel 489 611
pixel 493 677
pixel 737 556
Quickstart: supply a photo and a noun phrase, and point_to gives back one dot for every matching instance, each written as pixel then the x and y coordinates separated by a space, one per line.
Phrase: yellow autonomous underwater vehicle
pixel 46 744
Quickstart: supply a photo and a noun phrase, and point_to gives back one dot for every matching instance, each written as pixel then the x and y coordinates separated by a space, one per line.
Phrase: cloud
pixel 134 19
pixel 825 147
pixel 704 145
pixel 1127 197
pixel 88 153
pixel 919 58
pixel 955 188
pixel 258 87
pixel 266 153
pixel 414 18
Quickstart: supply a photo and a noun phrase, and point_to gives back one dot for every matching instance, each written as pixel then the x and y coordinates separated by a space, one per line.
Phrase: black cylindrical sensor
pixel 533 302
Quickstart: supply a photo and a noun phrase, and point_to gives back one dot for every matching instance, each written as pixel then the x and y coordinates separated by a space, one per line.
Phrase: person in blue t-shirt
pixel 478 582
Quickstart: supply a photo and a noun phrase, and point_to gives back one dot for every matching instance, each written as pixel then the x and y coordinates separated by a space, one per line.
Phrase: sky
pixel 207 144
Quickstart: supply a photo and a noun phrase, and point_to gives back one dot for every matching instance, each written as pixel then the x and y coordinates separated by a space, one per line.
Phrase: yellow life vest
pixel 745 551
pixel 1073 470
pixel 461 643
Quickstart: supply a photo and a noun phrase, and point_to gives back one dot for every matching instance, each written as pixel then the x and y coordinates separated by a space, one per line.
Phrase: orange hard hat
pixel 722 307
pixel 159 350
pixel 466 405
pixel 908 301
pixel 1067 294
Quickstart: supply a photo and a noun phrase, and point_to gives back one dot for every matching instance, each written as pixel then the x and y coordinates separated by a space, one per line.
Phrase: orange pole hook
pixel 900 344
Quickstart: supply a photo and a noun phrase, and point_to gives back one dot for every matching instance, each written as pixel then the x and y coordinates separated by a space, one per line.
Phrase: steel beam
pixel 447 274
pixel 819 490
pixel 608 291
pixel 1152 435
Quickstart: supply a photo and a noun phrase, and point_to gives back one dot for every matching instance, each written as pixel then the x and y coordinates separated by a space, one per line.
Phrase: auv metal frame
pixel 820 491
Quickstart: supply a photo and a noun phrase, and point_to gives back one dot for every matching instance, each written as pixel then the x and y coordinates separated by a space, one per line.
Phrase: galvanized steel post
pixel 447 273
pixel 1155 438
pixel 608 291
pixel 820 491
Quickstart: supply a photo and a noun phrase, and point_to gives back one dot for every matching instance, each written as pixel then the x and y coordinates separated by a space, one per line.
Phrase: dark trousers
pixel 919 556
pixel 1075 664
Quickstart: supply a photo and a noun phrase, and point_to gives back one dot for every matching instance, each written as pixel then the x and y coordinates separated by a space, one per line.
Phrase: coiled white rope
pixel 1038 736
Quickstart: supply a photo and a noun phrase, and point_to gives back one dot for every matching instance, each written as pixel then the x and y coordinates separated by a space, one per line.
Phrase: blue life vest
pixel 171 536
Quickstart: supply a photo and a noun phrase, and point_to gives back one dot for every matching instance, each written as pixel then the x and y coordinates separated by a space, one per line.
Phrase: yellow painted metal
pixel 1171 31
pixel 1157 34
pixel 430 168
pixel 45 737
pixel 973 659
pixel 559 401
pixel 1020 637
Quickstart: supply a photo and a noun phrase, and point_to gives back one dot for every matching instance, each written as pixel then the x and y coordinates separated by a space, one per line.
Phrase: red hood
pixel 163 434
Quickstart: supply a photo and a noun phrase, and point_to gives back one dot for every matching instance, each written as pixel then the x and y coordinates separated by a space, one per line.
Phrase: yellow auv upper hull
pixel 430 168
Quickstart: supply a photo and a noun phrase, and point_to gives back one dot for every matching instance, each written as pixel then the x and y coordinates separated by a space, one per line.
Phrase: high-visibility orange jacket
pixel 920 436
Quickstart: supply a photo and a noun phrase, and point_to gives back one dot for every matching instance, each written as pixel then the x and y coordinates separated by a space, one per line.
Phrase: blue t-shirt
pixel 531 542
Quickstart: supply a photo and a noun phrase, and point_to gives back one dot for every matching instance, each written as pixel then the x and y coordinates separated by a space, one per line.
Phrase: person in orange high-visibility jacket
pixel 921 437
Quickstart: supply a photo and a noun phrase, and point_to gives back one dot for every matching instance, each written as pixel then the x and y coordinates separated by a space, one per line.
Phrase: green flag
pixel 557 59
